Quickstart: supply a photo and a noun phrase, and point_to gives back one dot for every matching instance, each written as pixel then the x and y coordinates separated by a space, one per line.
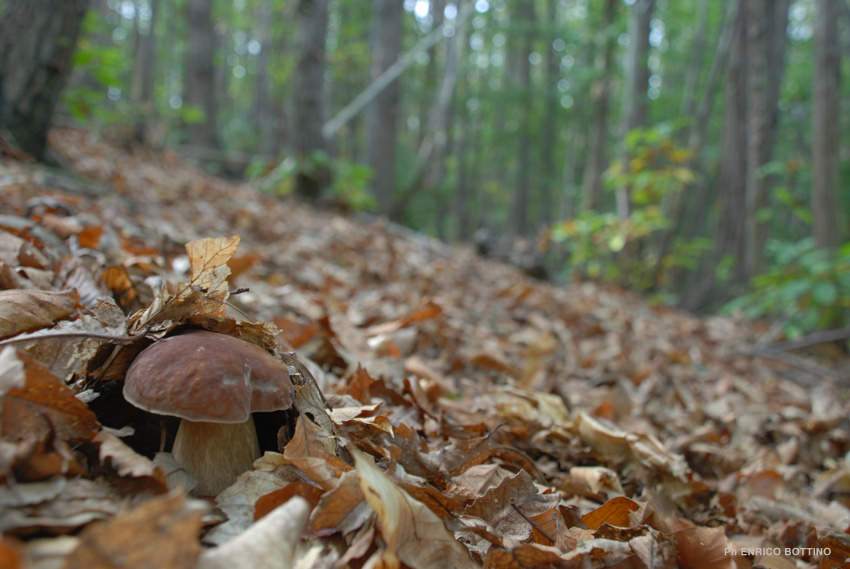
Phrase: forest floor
pixel 474 416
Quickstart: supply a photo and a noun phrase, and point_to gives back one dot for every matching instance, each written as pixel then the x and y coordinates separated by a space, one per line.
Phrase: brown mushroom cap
pixel 209 377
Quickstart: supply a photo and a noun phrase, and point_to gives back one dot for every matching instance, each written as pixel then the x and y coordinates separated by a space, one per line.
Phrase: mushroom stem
pixel 215 454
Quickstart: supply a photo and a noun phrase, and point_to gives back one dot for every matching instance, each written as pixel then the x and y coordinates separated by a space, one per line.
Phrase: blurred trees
pixel 685 149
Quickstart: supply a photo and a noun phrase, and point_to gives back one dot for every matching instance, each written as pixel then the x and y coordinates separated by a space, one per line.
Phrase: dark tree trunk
pixel 382 114
pixel 597 160
pixel 549 138
pixel 143 76
pixel 266 111
pixel 199 79
pixel 37 41
pixel 309 114
pixel 767 21
pixel 731 234
pixel 826 126
pixel 522 190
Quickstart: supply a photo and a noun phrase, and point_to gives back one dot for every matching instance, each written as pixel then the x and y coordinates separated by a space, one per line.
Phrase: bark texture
pixel 825 132
pixel 37 42
pixel 199 80
pixel 309 96
pixel 597 160
pixel 382 114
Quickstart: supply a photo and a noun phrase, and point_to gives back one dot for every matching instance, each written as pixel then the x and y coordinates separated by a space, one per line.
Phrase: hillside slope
pixel 543 426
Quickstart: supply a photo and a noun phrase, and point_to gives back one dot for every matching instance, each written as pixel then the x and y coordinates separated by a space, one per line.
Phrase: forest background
pixel 694 151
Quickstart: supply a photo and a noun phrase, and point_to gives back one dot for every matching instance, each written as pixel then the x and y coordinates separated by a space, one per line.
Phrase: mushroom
pixel 212 382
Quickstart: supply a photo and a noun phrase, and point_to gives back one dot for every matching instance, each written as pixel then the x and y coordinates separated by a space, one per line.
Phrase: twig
pixel 813 339
pixel 72 334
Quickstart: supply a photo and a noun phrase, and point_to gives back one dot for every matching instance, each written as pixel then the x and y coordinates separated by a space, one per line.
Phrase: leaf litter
pixel 450 411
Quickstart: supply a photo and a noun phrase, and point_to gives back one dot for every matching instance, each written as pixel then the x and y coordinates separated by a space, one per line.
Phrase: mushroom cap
pixel 209 377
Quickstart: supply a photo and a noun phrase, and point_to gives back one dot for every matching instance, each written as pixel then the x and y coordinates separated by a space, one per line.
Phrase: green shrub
pixel 806 288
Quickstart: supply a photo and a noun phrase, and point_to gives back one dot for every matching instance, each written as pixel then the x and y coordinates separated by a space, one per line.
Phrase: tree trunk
pixel 767 22
pixel 266 113
pixel 826 132
pixel 597 160
pixel 382 114
pixel 199 79
pixel 37 41
pixel 143 76
pixel 430 80
pixel 695 62
pixel 522 190
pixel 637 81
pixel 549 138
pixel 731 233
pixel 309 96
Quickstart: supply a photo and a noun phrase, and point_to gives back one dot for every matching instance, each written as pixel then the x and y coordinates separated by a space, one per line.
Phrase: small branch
pixel 71 334
pixel 813 339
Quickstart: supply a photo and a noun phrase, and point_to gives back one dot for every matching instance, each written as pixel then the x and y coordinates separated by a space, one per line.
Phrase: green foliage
pixel 103 69
pixel 806 288
pixel 349 180
pixel 633 251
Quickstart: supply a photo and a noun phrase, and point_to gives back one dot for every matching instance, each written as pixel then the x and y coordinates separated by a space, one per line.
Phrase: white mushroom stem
pixel 215 454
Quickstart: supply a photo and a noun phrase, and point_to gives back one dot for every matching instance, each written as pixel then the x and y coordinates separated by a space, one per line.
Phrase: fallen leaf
pixel 27 310
pixel 413 534
pixel 615 512
pixel 43 403
pixel 162 533
pixel 268 544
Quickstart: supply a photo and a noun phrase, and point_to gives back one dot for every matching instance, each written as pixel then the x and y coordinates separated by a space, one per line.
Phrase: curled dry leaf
pixel 43 404
pixel 413 534
pixel 269 544
pixel 162 533
pixel 27 310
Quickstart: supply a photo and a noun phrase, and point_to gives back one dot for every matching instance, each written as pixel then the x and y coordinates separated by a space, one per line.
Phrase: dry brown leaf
pixel 342 509
pixel 208 260
pixel 413 534
pixel 43 404
pixel 306 451
pixel 161 533
pixel 268 544
pixel 268 502
pixel 10 554
pixel 703 548
pixel 27 310
pixel 615 512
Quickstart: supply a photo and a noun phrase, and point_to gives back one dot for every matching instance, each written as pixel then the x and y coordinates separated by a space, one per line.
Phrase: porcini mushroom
pixel 212 382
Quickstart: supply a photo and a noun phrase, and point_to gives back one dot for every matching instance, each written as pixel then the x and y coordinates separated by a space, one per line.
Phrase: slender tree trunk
pixel 597 161
pixel 143 76
pixel 522 190
pixel 383 113
pixel 826 132
pixel 549 138
pixel 199 79
pixel 37 41
pixel 637 81
pixel 309 96
pixel 767 21
pixel 731 233
pixel 695 61
pixel 430 80
pixel 266 112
